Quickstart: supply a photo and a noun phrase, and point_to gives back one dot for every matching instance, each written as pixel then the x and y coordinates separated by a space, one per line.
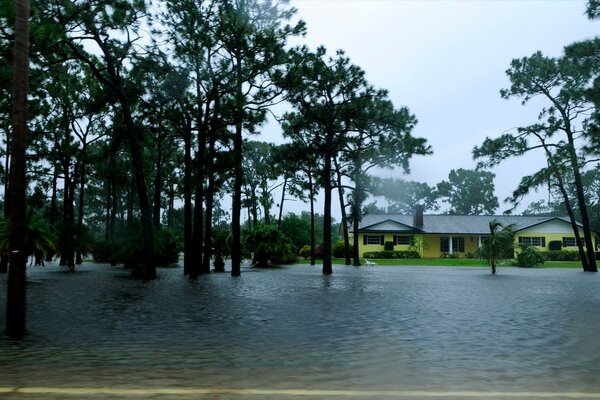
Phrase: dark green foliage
pixel 104 251
pixel 297 228
pixel 127 248
pixel 167 247
pixel 338 249
pixel 269 245
pixel 562 255
pixel 392 254
pixel 39 239
pixel 555 245
pixel 469 192
pixel 305 252
pixel 388 246
pixel 528 256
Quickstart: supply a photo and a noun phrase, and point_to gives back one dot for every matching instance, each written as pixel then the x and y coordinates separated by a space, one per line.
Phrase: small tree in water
pixel 499 245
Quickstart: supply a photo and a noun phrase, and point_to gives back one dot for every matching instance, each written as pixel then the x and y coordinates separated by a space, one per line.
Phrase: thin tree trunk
pixel 563 190
pixel 327 266
pixel 344 223
pixel 196 253
pixel 157 187
pixel 311 193
pixel 79 255
pixel 210 200
pixel 16 292
pixel 4 256
pixel 187 200
pixel 281 202
pixel 236 232
pixel 171 208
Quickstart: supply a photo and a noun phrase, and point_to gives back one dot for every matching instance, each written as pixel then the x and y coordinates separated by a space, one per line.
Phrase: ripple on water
pixel 377 328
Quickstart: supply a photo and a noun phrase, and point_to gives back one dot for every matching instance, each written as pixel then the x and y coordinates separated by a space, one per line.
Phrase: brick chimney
pixel 418 216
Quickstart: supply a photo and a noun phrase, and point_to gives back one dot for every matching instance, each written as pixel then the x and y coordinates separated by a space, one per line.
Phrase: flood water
pixel 368 329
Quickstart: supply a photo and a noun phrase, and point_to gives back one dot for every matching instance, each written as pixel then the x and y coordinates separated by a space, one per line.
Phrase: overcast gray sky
pixel 446 61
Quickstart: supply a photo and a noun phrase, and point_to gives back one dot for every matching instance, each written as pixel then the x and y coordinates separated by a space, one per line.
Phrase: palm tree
pixel 499 245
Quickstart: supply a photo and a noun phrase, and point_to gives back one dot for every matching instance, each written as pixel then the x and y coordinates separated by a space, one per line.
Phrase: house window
pixel 538 241
pixel 458 244
pixel 569 241
pixel 404 240
pixel 373 239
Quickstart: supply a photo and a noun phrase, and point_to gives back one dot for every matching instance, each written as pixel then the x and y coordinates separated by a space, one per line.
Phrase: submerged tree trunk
pixel 187 200
pixel 16 292
pixel 236 231
pixel 327 265
pixel 344 224
pixel 311 193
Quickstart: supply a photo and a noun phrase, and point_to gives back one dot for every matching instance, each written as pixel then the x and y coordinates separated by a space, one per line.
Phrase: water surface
pixel 368 329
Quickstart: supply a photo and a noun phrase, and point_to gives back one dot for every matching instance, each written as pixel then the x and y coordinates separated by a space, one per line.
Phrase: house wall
pixel 537 232
pixel 431 248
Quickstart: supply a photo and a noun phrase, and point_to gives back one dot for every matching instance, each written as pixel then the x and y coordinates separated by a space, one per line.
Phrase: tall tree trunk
pixel 210 196
pixel 197 245
pixel 311 193
pixel 4 257
pixel 135 147
pixel 327 266
pixel 16 292
pixel 79 255
pixel 157 187
pixel 357 198
pixel 171 207
pixel 563 190
pixel 210 200
pixel 53 207
pixel 236 231
pixel 281 202
pixel 187 199
pixel 344 223
pixel 585 219
pixel 264 196
pixel 107 205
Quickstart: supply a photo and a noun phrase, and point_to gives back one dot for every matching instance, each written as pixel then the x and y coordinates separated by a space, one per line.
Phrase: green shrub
pixel 103 251
pixel 305 252
pixel 337 250
pixel 269 244
pixel 167 247
pixel 391 254
pixel 528 256
pixel 555 245
pixel 388 246
pixel 563 255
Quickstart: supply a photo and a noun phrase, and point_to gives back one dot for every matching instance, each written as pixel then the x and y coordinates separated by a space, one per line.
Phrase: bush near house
pixel 528 256
pixel 563 255
pixel 388 246
pixel 391 254
pixel 338 249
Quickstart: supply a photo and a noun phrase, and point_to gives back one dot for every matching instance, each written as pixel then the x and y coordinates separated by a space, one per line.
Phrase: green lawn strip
pixel 446 262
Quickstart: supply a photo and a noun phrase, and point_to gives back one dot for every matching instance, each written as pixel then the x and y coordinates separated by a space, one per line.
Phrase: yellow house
pixel 440 235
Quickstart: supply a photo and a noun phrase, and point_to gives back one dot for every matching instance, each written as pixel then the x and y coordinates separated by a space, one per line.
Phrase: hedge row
pixel 391 254
pixel 562 255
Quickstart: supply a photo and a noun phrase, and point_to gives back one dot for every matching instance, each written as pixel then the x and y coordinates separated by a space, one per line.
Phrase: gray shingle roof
pixel 456 224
